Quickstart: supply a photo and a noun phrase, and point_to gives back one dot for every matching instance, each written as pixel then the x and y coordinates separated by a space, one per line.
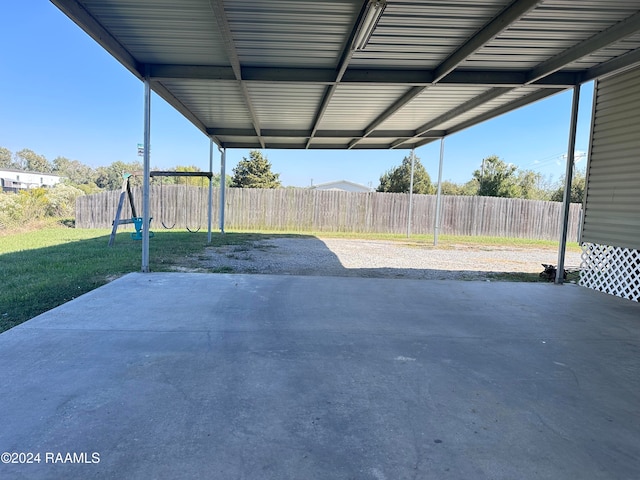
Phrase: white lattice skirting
pixel 612 270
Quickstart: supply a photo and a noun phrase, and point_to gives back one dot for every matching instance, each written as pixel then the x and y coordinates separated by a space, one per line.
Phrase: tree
pixel 398 179
pixel 497 178
pixel 533 186
pixel 470 188
pixel 193 181
pixel 255 173
pixel 6 158
pixel 31 161
pixel 450 188
pixel 110 178
pixel 228 180
pixel 578 186
pixel 74 172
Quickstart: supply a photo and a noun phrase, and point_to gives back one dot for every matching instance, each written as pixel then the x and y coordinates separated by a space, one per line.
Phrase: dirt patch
pixel 378 258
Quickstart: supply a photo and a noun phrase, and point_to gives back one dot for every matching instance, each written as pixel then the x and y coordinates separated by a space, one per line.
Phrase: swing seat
pixel 137 222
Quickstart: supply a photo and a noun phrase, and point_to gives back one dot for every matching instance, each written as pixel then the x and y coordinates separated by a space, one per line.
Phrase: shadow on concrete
pixel 288 377
pixel 36 280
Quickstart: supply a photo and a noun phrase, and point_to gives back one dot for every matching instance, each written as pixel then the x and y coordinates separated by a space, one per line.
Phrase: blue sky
pixel 62 95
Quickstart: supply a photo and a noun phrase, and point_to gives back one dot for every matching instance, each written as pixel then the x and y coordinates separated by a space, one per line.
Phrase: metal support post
pixel 566 199
pixel 413 157
pixel 223 164
pixel 436 227
pixel 145 174
pixel 210 205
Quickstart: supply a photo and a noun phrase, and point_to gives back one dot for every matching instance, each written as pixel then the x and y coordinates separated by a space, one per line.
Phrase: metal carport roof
pixel 286 73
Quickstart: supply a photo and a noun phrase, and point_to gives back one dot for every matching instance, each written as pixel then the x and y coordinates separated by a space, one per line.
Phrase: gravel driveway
pixel 378 258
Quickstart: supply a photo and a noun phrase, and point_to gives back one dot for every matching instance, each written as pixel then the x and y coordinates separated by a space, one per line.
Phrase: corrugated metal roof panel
pixel 548 30
pixel 330 143
pixel 236 140
pixel 422 34
pixel 291 108
pixel 285 142
pixel 356 106
pixel 290 33
pixel 627 45
pixel 163 31
pixel 375 143
pixel 217 104
pixel 292 51
pixel 431 103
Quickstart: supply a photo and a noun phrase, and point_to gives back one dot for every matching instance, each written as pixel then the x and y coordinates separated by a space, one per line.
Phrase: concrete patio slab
pixel 169 375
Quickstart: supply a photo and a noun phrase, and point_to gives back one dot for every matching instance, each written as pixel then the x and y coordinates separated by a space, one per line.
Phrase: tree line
pixel 495 178
pixel 77 179
pixel 87 179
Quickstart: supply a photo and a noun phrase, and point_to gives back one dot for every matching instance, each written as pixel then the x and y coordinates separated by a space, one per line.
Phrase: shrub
pixel 10 212
pixel 27 206
pixel 33 203
pixel 62 201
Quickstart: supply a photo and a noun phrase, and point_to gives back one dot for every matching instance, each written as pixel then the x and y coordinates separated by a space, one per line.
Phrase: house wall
pixel 611 225
pixel 20 179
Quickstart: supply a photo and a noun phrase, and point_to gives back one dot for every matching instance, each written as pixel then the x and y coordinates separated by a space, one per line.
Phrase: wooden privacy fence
pixel 294 209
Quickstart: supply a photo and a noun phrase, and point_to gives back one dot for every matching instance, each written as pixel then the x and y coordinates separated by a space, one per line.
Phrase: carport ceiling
pixel 287 73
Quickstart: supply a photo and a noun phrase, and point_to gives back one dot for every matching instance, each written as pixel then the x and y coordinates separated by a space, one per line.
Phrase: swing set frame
pixel 126 193
pixel 171 173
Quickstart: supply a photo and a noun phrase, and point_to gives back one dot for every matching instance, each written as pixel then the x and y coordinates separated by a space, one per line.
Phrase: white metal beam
pixel 210 199
pixel 436 223
pixel 223 174
pixel 146 162
pixel 568 178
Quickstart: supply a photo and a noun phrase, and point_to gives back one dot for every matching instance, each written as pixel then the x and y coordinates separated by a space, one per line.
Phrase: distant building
pixel 343 185
pixel 14 180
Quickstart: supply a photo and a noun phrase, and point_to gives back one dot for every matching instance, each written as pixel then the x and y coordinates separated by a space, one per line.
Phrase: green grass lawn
pixel 46 267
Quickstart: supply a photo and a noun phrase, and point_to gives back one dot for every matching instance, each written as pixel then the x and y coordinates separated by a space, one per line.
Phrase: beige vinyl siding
pixel 612 205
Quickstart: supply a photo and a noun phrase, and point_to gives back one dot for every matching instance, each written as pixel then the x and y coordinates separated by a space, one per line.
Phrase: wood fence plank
pixel 330 211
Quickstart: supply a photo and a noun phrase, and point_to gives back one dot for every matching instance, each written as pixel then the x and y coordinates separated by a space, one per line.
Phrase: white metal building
pixel 343 185
pixel 376 74
pixel 13 180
